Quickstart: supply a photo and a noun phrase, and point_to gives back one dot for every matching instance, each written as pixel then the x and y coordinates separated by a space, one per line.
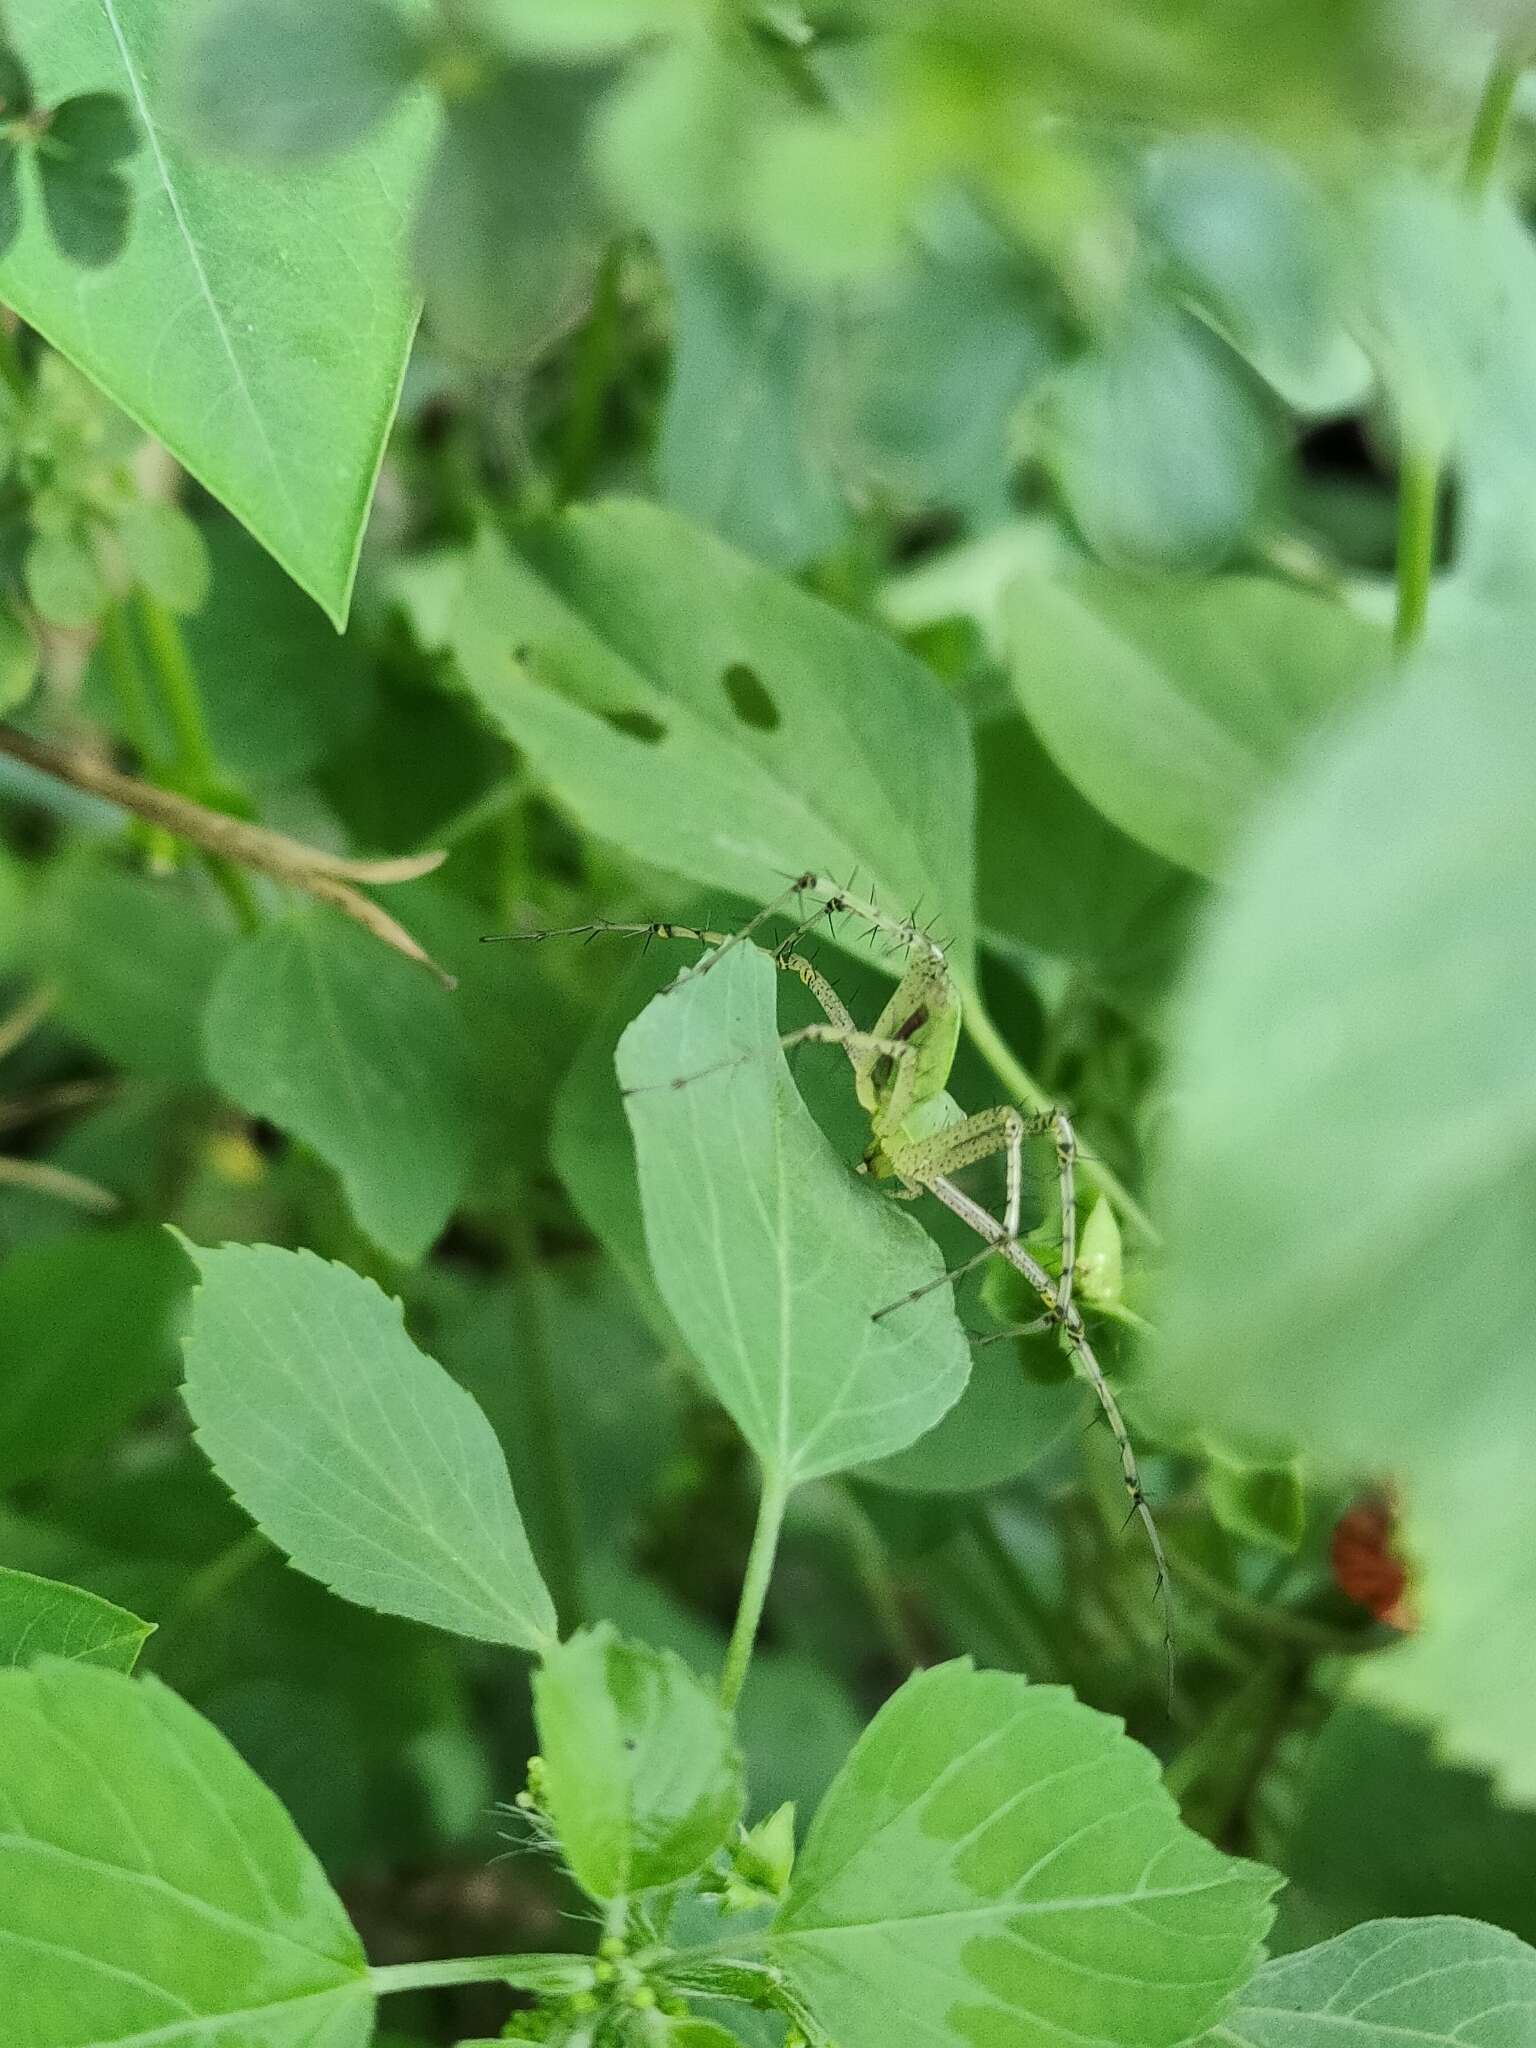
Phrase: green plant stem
pixel 1491 123
pixel 1020 1083
pixel 868 1556
pixel 560 1520
pixel 178 688
pixel 754 1587
pixel 1423 462
pixel 597 354
pixel 125 673
pixel 1020 1592
pixel 1418 528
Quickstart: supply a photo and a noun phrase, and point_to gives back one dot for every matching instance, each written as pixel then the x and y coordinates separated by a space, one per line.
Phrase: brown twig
pixel 327 876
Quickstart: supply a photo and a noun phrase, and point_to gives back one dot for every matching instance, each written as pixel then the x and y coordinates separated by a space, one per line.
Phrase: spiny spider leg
pixel 1069 1321
pixel 851 1040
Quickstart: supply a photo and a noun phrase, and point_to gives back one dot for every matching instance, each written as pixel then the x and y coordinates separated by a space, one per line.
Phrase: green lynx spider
pixel 920 1136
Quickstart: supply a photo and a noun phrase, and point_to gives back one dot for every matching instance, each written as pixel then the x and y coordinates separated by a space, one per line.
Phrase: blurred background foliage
pixel 1093 354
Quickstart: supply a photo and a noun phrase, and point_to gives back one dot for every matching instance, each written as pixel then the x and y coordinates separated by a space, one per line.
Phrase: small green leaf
pixel 943 350
pixel 280 78
pixel 357 1052
pixel 166 553
pixel 765 1856
pixel 998 1863
pixel 1174 709
pixel 1161 442
pixel 1255 245
pixel 641 1772
pixel 750 433
pixel 43 1618
pixel 87 1335
pixel 133 961
pixel 151 1888
pixel 64 579
pixel 15 86
pixel 770 1254
pixel 608 653
pixel 509 229
pixel 1263 1504
pixel 1100 1259
pixel 1438 1982
pixel 88 200
pixel 355 1452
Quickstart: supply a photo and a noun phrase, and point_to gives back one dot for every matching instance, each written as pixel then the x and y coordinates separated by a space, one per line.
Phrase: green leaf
pixel 280 79
pixel 64 579
pixel 133 961
pixel 355 1452
pixel 1160 441
pixel 281 692
pixel 944 348
pixel 86 1333
pixel 1173 709
pixel 354 1050
pixel 609 653
pixel 257 323
pixel 166 553
pixel 1437 1981
pixel 769 1253
pixel 1356 1096
pixel 1262 1504
pixel 998 1863
pixel 1255 245
pixel 88 200
pixel 43 1618
pixel 1054 873
pixel 1383 1827
pixel 509 229
pixel 1006 1420
pixel 750 434
pixel 151 1888
pixel 642 1777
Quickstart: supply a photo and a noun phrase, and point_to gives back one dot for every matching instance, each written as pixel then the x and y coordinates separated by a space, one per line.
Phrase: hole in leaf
pixel 638 724
pixel 750 699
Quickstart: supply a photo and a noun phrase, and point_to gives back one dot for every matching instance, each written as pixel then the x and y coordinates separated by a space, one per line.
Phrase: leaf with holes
pixel 771 1256
pixel 998 1863
pixel 151 1887
pixel 355 1452
pixel 258 323
pixel 43 1618
pixel 712 718
pixel 1440 1983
